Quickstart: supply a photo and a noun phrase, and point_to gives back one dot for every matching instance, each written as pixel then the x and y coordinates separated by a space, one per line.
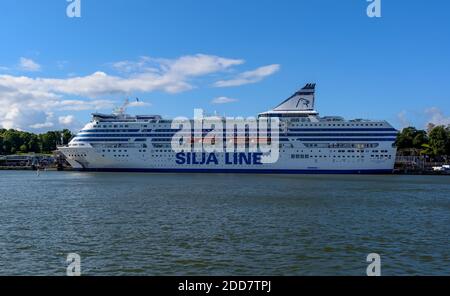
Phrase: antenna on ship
pixel 121 110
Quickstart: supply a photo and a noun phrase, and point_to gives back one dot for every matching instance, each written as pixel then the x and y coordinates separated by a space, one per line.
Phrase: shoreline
pixel 69 169
pixel 28 168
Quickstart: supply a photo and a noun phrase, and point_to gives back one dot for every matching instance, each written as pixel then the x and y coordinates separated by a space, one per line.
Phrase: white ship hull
pixel 88 159
pixel 309 145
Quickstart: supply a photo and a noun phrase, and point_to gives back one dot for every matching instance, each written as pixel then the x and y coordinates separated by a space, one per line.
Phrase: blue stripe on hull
pixel 245 171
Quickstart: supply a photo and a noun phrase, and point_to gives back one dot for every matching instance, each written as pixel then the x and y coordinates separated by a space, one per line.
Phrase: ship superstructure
pixel 308 143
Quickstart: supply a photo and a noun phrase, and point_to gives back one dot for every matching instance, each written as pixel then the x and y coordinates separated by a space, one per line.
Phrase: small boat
pixel 443 169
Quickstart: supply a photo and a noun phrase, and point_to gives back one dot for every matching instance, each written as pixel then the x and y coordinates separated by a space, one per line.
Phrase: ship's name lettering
pixel 212 159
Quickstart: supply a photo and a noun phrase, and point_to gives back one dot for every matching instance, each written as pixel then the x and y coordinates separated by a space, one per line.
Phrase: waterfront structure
pixel 308 144
pixel 25 160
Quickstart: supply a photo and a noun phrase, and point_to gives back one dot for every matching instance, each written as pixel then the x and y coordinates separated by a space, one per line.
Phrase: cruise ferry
pixel 308 144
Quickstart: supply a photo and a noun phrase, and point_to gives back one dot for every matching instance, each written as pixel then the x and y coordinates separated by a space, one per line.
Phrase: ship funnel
pixel 302 100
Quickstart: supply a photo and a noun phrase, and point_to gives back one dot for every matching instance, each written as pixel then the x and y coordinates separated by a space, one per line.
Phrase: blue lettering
pixel 194 158
pixel 212 158
pixel 180 158
pixel 227 159
pixel 257 158
pixel 245 158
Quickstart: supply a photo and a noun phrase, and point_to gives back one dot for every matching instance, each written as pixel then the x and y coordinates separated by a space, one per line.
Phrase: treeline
pixel 434 142
pixel 13 141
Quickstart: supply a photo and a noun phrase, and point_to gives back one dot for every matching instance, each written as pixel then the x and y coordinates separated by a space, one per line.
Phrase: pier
pixel 34 162
pixel 418 165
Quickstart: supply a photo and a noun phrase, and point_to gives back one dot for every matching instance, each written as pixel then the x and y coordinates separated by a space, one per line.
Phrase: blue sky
pixel 177 55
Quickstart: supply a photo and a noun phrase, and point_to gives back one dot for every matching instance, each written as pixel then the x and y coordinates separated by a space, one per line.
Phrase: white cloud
pixel 48 123
pixel 67 120
pixel 139 104
pixel 223 100
pixel 25 101
pixel 79 105
pixel 403 120
pixel 29 65
pixel 437 117
pixel 199 65
pixel 144 64
pixel 192 65
pixel 42 125
pixel 249 76
pixel 24 109
pixel 172 76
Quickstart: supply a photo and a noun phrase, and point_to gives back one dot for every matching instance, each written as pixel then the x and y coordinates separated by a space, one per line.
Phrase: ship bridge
pixel 123 117
pixel 300 104
pixel 119 115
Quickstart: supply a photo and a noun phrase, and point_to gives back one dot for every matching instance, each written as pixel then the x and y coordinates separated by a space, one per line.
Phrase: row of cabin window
pixel 339 124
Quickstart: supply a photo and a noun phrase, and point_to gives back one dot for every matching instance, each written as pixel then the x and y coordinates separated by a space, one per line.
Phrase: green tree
pixel 45 140
pixel 67 136
pixel 420 139
pixel 24 148
pixel 410 138
pixel 1 144
pixel 448 140
pixel 34 145
pixel 49 141
pixel 426 150
pixel 12 141
pixel 439 141
pixel 405 138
